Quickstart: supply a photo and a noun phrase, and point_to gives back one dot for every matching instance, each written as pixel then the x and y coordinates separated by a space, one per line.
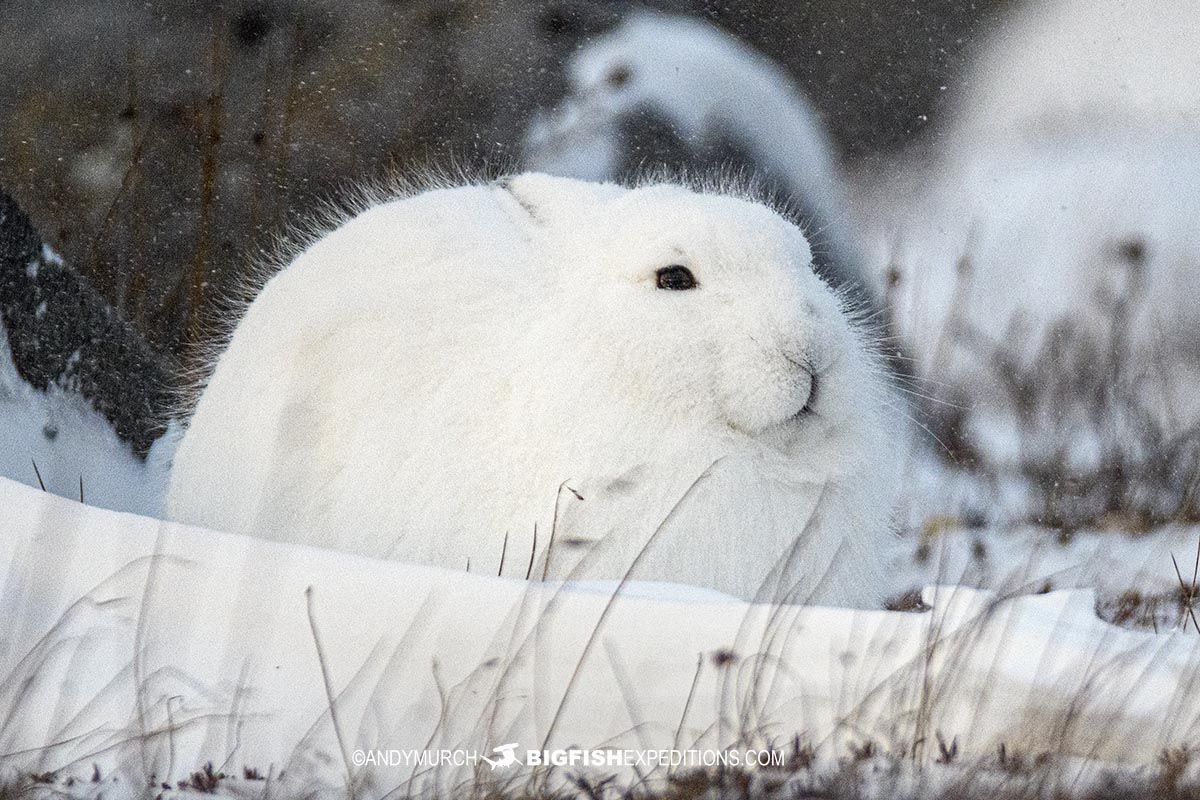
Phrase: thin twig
pixel 532 553
pixel 687 706
pixel 554 526
pixel 337 726
pixel 1188 596
pixel 209 174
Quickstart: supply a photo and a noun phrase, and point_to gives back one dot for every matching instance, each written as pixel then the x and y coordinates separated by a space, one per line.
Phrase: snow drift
pixel 149 648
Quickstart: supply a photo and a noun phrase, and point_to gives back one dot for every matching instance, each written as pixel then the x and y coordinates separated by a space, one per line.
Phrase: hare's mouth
pixel 814 393
pixel 814 387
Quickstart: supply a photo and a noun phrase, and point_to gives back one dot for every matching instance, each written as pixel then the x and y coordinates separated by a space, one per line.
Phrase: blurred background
pixel 159 146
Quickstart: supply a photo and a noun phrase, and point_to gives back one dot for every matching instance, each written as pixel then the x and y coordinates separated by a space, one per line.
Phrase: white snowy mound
pixel 704 82
pixel 56 439
pixel 149 648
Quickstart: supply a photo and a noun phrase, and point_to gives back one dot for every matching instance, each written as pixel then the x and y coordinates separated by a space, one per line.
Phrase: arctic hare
pixel 546 377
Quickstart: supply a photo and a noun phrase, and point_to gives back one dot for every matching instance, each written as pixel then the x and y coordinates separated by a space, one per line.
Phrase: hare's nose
pixel 802 362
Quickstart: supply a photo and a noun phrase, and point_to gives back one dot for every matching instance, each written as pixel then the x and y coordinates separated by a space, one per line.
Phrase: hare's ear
pixel 546 199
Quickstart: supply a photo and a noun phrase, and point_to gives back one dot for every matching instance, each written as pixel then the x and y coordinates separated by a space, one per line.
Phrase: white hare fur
pixel 446 372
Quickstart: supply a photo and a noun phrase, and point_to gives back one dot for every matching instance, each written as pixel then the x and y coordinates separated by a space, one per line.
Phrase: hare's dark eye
pixel 676 278
pixel 618 77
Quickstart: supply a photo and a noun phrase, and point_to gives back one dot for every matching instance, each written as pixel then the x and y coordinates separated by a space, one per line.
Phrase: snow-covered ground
pixel 1054 258
pixel 149 648
pixel 1056 63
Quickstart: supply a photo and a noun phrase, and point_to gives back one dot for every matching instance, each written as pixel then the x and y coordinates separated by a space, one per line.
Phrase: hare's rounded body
pixel 445 376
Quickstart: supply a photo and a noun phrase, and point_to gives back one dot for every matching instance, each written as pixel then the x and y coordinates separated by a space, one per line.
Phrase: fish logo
pixel 507 756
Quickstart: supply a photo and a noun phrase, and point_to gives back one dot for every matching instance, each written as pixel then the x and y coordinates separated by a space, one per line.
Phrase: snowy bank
pixel 149 648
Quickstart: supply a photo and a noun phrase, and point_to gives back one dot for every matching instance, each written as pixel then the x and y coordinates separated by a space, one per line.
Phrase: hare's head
pixel 702 308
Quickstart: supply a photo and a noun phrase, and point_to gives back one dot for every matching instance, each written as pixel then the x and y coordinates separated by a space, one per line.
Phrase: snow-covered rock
pixel 149 648
pixel 83 400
